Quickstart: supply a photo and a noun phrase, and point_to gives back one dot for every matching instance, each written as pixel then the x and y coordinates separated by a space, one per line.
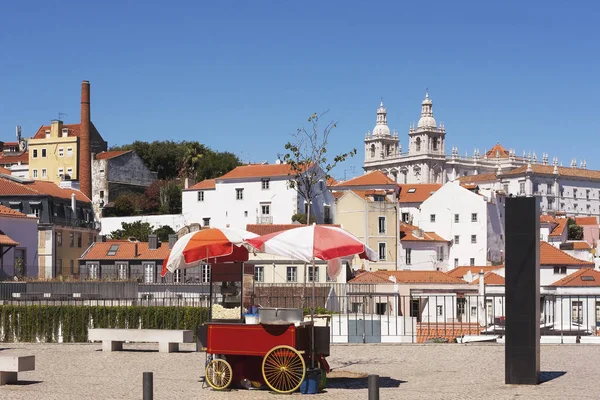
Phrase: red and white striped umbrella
pixel 313 242
pixel 208 245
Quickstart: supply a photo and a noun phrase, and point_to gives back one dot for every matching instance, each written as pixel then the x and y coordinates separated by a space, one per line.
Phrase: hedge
pixel 33 323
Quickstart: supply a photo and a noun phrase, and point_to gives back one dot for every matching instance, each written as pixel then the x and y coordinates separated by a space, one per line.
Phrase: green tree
pixel 308 159
pixel 138 229
pixel 575 232
pixel 301 218
pixel 125 205
pixel 170 198
pixel 171 160
pixel 163 233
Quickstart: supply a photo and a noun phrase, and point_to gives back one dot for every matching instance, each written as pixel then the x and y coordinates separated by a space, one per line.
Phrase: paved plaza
pixel 442 371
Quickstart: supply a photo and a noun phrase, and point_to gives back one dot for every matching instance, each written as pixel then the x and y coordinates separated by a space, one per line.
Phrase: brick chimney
pixel 85 163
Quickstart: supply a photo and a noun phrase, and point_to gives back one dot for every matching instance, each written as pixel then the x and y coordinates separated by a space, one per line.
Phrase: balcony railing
pixel 80 223
pixel 264 219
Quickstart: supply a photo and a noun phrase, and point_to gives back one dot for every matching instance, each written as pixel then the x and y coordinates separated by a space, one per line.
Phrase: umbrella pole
pixel 312 319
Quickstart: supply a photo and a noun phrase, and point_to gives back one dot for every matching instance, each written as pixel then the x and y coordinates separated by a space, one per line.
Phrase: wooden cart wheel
pixel 219 374
pixel 283 369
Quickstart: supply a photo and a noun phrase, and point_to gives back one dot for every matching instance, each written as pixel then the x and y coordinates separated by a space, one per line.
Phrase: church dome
pixel 427 120
pixel 381 129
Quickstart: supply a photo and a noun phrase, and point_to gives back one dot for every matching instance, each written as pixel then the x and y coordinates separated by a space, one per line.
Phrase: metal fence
pixel 352 317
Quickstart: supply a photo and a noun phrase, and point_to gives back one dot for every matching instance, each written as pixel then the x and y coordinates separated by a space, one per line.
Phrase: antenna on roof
pixel 61 114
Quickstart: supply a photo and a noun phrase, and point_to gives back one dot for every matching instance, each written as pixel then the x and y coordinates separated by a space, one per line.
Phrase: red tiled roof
pixel 581 245
pixel 586 221
pixel 5 240
pixel 375 178
pixel 459 272
pixel 368 277
pixel 586 277
pixel 264 229
pixel 547 219
pixel 562 171
pixel 14 158
pixel 38 188
pixel 107 155
pixel 331 181
pixel 406 277
pixel 11 144
pixel 41 132
pixel 207 184
pixel 497 151
pixel 560 227
pixel 125 251
pixel 417 193
pixel 491 177
pixel 491 278
pixel 10 213
pixel 550 255
pixel 258 171
pixel 4 171
pixel 407 235
pixel 74 130
pixel 337 195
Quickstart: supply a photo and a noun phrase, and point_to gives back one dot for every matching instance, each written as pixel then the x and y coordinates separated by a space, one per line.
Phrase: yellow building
pixel 54 157
pixel 371 216
pixel 64 152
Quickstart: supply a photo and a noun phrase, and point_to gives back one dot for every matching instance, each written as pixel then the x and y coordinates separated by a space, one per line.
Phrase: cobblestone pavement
pixel 443 371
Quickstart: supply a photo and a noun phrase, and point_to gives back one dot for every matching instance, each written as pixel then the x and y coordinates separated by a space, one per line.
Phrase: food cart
pixel 274 352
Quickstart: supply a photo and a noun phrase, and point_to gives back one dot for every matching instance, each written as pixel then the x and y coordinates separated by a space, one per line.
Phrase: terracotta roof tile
pixel 550 255
pixel 547 219
pixel 491 278
pixel 368 277
pixel 4 171
pixel 74 130
pixel 14 158
pixel 207 184
pixel 265 229
pixel 406 277
pixel 560 227
pixel 562 171
pixel 331 181
pixel 257 171
pixel 417 193
pixel 9 212
pixel 107 155
pixel 11 144
pixel 337 195
pixel 491 177
pixel 38 188
pixel 125 251
pixel 586 221
pixel 407 234
pixel 581 245
pixel 375 178
pixel 459 272
pixel 497 152
pixel 586 277
pixel 5 240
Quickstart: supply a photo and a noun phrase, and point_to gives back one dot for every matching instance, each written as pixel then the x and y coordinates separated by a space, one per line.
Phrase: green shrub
pixel 30 323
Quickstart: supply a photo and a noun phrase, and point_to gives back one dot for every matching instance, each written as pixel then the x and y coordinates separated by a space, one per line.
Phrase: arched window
pixel 418 144
pixel 372 151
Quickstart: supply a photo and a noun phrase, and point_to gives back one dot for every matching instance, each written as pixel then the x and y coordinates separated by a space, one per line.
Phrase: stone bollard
pixel 373 381
pixel 148 386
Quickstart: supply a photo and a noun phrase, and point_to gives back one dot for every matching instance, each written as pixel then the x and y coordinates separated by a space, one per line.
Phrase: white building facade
pixel 253 194
pixel 472 222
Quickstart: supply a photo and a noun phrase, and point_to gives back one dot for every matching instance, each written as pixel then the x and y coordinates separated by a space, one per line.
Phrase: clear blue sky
pixel 241 76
